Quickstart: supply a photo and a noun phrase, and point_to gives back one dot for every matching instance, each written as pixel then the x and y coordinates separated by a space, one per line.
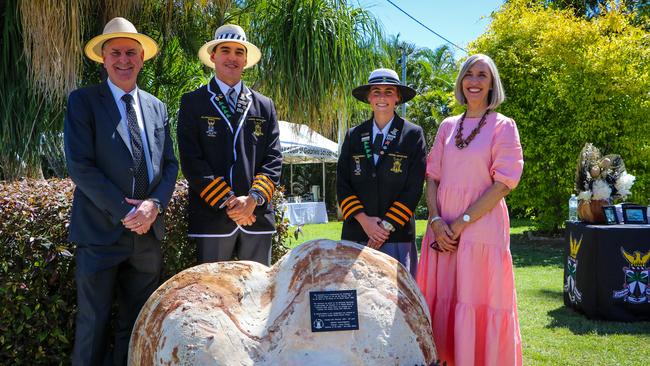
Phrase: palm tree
pixel 39 52
pixel 42 62
pixel 314 53
pixel 431 73
pixel 391 50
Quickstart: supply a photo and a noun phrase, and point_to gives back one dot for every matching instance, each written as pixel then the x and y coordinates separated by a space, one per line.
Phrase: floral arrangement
pixel 601 178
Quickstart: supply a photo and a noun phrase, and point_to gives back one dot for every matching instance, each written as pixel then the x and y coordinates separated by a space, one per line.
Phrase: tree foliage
pixel 568 81
pixel 25 111
pixel 594 8
pixel 313 53
pixel 433 74
pixel 430 72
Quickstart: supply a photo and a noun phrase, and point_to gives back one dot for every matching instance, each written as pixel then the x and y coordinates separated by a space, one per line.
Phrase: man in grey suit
pixel 120 156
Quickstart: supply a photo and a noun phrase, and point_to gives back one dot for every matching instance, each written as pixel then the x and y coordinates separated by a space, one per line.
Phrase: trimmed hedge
pixel 37 287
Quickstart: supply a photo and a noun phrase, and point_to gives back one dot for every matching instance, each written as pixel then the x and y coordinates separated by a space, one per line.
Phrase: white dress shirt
pixel 225 87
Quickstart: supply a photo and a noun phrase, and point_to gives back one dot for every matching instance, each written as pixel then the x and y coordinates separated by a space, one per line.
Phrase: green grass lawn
pixel 552 334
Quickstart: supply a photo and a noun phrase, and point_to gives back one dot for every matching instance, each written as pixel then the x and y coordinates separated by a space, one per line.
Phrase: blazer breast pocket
pixel 398 163
pixel 255 128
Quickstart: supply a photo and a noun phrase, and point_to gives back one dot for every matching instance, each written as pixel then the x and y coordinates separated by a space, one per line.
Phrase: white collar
pixel 225 87
pixel 118 92
pixel 384 131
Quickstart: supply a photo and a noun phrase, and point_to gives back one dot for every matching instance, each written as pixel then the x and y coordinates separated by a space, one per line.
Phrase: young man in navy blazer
pixel 229 145
pixel 120 156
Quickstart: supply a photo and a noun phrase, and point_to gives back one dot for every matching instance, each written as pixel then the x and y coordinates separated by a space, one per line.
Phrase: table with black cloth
pixel 606 270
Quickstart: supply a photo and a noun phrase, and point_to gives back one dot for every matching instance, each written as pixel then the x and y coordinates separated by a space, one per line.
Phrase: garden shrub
pixel 37 287
pixel 569 81
pixel 37 290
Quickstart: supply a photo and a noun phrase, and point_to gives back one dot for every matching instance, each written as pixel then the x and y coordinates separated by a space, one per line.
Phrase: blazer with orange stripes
pixel 389 189
pixel 226 153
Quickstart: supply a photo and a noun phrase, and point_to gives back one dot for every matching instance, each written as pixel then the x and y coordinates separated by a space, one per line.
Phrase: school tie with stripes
pixel 140 176
pixel 232 99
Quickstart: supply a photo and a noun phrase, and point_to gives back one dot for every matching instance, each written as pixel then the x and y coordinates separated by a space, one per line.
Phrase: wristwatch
pixel 159 206
pixel 467 218
pixel 259 200
pixel 387 225
pixel 434 219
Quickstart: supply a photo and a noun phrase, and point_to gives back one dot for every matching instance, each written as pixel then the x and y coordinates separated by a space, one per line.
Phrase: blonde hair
pixel 496 96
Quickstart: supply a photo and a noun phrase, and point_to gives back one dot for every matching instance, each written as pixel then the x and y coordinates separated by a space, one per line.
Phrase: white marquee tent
pixel 302 145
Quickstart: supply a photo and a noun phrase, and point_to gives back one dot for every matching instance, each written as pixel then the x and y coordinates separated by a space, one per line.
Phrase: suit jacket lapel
pixel 366 144
pixel 149 122
pixel 218 101
pixel 244 101
pixel 114 117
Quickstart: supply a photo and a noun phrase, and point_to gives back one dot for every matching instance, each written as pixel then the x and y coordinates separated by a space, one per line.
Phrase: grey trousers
pixel 404 252
pixel 249 247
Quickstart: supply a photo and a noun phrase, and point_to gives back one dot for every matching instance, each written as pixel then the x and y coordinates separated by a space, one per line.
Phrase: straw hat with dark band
pixel 384 77
pixel 119 28
pixel 230 33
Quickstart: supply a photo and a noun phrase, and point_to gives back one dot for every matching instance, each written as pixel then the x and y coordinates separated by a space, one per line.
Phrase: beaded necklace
pixel 462 143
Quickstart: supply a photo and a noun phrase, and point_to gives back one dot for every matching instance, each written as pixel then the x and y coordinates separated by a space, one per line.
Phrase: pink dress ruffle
pixel 471 292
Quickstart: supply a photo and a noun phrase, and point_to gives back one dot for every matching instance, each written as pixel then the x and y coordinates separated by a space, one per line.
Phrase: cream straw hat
pixel 119 28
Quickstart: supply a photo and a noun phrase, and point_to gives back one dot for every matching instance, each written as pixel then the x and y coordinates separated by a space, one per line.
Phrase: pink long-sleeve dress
pixel 471 292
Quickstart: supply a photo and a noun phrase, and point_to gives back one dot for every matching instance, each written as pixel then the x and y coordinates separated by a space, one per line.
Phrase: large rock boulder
pixel 244 313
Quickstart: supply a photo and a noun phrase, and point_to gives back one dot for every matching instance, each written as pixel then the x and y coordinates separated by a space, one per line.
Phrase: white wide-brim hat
pixel 119 28
pixel 384 77
pixel 230 33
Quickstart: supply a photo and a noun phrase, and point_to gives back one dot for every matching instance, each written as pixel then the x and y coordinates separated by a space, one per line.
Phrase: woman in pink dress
pixel 465 269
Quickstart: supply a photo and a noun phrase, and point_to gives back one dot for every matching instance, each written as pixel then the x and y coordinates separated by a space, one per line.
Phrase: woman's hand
pixel 457 227
pixel 444 236
pixel 372 227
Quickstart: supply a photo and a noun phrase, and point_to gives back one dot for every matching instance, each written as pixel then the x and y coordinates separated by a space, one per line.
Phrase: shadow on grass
pixel 526 252
pixel 551 294
pixel 577 323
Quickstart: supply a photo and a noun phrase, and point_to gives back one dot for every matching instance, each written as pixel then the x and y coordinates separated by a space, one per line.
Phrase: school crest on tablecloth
pixel 636 286
pixel 570 287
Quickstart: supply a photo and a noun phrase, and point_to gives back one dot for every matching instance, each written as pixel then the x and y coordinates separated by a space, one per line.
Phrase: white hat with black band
pixel 230 33
pixel 384 77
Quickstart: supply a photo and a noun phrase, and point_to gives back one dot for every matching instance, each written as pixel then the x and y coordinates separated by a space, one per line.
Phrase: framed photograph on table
pixel 610 215
pixel 635 214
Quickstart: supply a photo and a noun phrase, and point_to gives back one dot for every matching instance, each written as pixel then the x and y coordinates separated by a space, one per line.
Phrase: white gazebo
pixel 302 145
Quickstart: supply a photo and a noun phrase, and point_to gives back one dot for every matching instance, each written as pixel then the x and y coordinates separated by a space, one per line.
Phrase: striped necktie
pixel 232 99
pixel 140 175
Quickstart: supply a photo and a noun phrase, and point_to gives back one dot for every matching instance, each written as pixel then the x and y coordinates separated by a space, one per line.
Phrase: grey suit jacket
pixel 100 163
